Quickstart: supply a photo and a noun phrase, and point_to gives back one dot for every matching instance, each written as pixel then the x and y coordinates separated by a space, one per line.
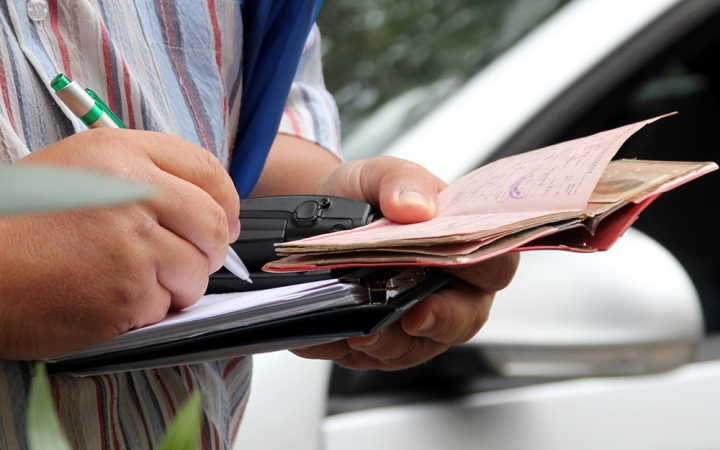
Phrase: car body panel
pixel 673 410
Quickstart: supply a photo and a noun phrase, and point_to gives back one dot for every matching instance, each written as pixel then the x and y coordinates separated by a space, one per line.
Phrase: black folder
pixel 389 298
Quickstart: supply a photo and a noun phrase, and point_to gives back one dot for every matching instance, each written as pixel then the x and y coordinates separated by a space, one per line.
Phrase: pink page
pixel 561 177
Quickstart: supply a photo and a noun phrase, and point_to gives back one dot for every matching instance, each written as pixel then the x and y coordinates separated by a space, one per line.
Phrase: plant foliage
pixel 184 432
pixel 44 431
pixel 43 425
pixel 26 189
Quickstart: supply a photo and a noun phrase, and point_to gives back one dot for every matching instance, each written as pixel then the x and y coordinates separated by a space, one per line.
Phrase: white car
pixel 581 351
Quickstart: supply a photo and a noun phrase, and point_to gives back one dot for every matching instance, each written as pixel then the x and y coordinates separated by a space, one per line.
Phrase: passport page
pixel 529 189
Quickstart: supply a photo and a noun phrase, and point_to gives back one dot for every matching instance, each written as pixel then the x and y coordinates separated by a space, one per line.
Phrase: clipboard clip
pixel 386 283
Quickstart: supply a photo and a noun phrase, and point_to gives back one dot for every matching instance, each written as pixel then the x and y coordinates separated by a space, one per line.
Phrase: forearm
pixel 295 166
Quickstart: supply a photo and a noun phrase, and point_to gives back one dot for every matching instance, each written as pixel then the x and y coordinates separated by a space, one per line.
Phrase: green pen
pixel 94 113
pixel 85 104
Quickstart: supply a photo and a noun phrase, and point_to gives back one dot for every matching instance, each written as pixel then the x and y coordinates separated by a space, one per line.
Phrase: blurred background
pixel 395 60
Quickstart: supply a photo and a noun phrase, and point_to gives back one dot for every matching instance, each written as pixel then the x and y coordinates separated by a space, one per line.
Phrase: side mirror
pixel 629 311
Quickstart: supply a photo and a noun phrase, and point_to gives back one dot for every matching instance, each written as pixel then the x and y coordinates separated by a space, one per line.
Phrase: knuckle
pixel 162 303
pixel 130 291
pixel 351 360
pixel 459 313
pixel 491 275
pixel 476 325
pixel 209 168
pixel 143 302
pixel 447 319
pixel 199 278
pixel 153 308
pixel 143 228
pixel 128 254
pixel 477 320
pixel 504 271
pixel 201 272
pixel 129 234
pixel 406 357
pixel 219 229
pixel 421 351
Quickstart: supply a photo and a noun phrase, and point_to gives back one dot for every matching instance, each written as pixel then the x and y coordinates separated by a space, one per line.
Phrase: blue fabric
pixel 274 36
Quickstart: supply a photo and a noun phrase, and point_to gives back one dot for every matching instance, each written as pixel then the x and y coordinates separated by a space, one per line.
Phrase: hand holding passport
pixel 569 196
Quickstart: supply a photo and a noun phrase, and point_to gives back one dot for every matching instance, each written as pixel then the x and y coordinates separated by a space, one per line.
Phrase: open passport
pixel 568 196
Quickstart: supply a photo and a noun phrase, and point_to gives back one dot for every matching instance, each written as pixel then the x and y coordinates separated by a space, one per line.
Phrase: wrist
pixel 295 166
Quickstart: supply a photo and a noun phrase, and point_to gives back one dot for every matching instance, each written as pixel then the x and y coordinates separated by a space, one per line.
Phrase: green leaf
pixel 43 425
pixel 184 431
pixel 25 189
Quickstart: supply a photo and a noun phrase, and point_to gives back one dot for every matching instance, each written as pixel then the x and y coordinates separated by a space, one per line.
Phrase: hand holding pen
pixel 93 112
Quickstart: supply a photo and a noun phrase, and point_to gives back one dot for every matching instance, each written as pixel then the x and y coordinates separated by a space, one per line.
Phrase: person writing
pixel 173 73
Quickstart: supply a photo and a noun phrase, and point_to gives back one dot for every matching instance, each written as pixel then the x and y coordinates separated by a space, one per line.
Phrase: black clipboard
pixel 389 298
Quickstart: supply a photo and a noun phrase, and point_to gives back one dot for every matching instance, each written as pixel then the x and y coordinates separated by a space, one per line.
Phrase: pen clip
pixel 105 108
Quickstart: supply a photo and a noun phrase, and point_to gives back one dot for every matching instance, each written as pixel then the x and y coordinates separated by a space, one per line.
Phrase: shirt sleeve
pixel 311 112
pixel 12 147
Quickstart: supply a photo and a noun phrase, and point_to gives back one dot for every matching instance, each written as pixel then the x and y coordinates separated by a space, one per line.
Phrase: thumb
pixel 405 192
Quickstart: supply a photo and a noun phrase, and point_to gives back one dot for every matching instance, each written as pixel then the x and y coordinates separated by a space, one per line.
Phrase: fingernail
pixel 235 233
pixel 374 338
pixel 429 323
pixel 413 197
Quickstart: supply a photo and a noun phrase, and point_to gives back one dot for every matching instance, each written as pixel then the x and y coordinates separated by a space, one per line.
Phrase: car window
pixel 388 62
pixel 684 78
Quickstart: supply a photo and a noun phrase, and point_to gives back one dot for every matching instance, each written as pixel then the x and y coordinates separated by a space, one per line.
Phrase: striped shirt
pixel 165 65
